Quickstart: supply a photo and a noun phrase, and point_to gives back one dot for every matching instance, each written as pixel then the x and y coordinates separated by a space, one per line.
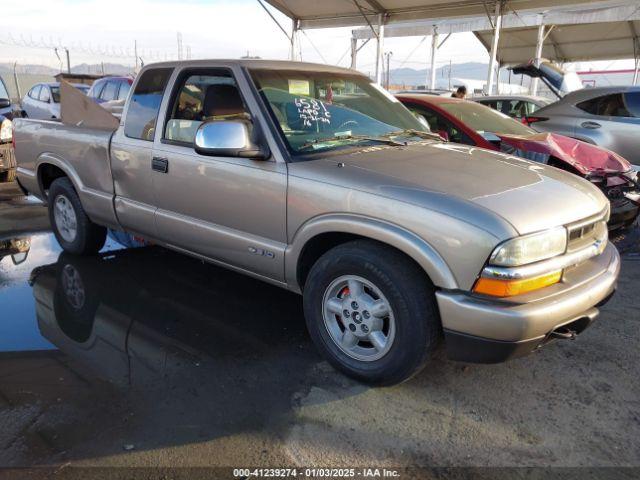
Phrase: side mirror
pixel 228 138
pixel 5 103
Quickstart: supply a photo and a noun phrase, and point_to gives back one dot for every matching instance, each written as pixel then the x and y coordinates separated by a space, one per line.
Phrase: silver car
pixel 515 106
pixel 43 101
pixel 607 116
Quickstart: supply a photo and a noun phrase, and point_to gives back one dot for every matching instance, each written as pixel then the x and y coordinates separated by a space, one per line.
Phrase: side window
pixel 44 94
pixel 109 92
pixel 35 92
pixel 442 126
pixel 3 90
pixel 632 101
pixel 96 90
pixel 124 90
pixel 142 114
pixel 606 106
pixel 201 97
pixel 532 107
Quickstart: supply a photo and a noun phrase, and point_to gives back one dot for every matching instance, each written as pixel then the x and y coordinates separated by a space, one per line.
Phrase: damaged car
pixel 470 123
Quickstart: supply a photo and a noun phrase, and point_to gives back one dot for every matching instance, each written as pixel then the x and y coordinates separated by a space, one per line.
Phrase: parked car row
pixel 315 179
pixel 42 101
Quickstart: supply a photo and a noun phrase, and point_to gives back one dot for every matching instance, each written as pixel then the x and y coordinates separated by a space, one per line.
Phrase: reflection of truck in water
pixel 134 316
pixel 16 248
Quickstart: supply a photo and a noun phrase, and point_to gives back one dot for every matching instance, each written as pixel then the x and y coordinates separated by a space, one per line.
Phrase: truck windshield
pixel 319 111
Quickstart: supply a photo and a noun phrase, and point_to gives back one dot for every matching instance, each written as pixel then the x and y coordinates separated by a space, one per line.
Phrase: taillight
pixel 531 120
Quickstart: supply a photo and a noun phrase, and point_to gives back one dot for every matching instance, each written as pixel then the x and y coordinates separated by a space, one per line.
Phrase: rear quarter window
pixel 109 92
pixel 612 105
pixel 142 115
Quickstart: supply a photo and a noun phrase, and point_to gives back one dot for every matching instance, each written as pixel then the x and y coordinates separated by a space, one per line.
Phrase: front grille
pixel 586 233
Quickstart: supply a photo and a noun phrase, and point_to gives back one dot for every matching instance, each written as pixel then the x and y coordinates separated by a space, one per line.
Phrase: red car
pixel 470 123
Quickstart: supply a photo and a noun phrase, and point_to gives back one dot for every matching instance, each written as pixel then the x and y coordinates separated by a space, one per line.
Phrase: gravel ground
pixel 187 365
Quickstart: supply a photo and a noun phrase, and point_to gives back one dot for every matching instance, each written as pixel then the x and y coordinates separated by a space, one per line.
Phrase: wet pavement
pixel 143 357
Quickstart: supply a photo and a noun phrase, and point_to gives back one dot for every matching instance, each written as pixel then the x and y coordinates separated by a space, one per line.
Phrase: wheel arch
pixel 49 167
pixel 320 234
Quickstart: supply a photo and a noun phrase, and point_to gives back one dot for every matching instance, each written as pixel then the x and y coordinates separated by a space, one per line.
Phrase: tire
pixel 64 206
pixel 411 330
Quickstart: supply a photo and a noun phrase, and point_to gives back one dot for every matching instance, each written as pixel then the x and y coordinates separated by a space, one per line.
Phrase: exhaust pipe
pixel 563 333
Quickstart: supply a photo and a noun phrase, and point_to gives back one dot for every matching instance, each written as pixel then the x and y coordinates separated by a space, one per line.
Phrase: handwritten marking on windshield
pixel 312 111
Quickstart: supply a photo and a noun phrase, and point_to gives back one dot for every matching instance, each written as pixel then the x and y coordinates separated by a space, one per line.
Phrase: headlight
pixel 530 248
pixel 6 132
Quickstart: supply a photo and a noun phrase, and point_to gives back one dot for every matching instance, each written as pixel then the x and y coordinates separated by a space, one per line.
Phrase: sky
pixel 97 30
pixel 100 30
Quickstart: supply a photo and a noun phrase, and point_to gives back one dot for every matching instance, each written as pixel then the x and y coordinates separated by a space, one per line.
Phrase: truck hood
pixel 528 195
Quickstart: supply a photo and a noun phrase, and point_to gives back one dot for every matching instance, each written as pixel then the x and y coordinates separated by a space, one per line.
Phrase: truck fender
pixel 51 159
pixel 404 240
pixel 97 205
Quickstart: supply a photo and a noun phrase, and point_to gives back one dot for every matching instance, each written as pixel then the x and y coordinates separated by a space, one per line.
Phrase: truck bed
pixel 82 153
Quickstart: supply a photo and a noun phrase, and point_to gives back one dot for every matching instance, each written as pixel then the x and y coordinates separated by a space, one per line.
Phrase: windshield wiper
pixel 382 139
pixel 414 133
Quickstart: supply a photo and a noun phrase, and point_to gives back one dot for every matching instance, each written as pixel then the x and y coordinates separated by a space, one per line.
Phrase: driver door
pixel 228 209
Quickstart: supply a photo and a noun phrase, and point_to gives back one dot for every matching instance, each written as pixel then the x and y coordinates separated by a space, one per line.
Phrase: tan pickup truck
pixel 315 179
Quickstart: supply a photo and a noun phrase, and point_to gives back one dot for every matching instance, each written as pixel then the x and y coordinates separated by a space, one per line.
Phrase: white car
pixel 43 101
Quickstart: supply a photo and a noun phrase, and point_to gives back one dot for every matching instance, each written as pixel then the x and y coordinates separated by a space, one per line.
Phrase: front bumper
pixel 486 330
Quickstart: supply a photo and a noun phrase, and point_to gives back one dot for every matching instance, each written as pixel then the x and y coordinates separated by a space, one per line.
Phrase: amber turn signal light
pixel 510 288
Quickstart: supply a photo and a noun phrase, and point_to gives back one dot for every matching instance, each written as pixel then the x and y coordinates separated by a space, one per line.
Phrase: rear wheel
pixel 371 312
pixel 73 229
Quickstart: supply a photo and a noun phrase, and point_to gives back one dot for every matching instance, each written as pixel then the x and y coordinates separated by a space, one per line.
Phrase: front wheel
pixel 371 311
pixel 73 229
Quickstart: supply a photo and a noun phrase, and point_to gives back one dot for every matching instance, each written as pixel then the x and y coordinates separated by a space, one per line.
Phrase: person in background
pixel 461 92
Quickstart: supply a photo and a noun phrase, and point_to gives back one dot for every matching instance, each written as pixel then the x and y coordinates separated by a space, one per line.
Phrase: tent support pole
pixel 354 52
pixel 434 51
pixel 294 39
pixel 538 57
pixel 494 47
pixel 379 48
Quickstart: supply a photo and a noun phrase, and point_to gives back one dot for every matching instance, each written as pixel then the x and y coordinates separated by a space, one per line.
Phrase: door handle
pixel 160 164
pixel 591 125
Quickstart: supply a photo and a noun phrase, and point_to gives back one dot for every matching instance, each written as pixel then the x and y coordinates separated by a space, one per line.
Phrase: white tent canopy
pixel 568 43
pixel 527 18
pixel 347 13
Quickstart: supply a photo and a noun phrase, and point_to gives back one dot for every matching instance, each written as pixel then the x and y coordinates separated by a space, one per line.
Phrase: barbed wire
pixel 101 51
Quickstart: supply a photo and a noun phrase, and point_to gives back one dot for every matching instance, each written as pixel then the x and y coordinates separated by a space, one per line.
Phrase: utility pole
pixel 59 59
pixel 449 74
pixel 135 52
pixel 179 46
pixel 68 61
pixel 15 79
